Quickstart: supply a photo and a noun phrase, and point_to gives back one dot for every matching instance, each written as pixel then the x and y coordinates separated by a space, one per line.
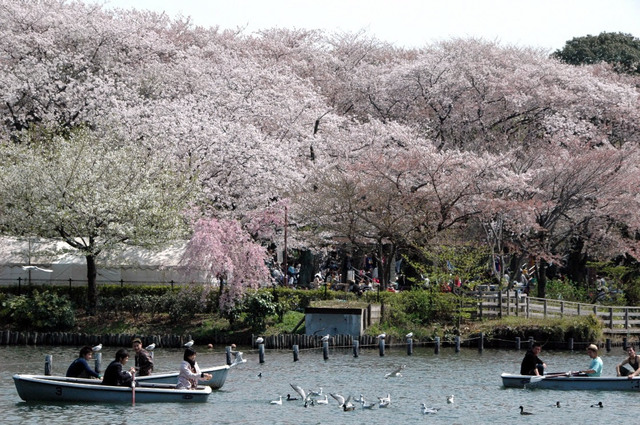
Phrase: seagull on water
pixel 364 404
pixel 315 393
pixel 150 347
pixel 189 344
pixel 599 404
pixel 450 399
pixel 384 401
pixel 278 401
pixel 259 340
pixel 523 412
pixel 97 348
pixel 428 410
pixel 323 401
pixel 396 373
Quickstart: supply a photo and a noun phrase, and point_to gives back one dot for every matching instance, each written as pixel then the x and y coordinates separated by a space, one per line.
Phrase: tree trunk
pixel 92 289
pixel 542 279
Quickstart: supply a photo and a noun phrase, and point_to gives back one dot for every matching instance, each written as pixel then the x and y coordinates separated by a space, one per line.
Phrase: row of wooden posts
pixel 229 353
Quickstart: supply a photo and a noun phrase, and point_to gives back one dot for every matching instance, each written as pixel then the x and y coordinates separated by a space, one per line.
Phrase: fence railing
pixel 616 319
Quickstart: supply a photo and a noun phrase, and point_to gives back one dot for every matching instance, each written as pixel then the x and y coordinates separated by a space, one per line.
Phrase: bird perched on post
pixel 259 340
pixel 97 348
pixel 150 347
pixel 189 344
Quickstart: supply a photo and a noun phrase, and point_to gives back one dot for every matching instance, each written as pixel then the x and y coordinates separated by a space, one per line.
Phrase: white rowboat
pixel 63 389
pixel 563 382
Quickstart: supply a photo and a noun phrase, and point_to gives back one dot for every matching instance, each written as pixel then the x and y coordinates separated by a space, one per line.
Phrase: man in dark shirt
pixel 114 375
pixel 144 362
pixel 80 367
pixel 531 364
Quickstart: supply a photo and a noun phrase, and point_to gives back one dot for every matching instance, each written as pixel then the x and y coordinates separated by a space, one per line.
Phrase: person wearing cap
pixel 144 362
pixel 595 368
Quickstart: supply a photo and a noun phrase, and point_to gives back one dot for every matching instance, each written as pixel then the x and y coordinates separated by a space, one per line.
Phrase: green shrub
pixel 42 311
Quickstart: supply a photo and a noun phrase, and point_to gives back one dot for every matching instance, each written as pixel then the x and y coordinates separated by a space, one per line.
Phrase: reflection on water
pixel 473 377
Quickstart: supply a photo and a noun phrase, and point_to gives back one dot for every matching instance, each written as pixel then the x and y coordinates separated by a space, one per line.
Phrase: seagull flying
pixel 300 391
pixel 151 347
pixel 97 348
pixel 189 344
pixel 341 400
pixel 395 373
pixel 37 268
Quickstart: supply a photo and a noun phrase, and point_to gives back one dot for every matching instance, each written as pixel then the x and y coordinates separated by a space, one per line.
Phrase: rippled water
pixel 473 377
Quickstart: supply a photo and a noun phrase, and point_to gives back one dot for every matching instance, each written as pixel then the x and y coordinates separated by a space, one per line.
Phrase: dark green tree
pixel 618 49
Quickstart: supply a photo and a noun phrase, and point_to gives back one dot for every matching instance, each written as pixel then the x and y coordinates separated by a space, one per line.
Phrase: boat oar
pixel 538 378
pixel 133 389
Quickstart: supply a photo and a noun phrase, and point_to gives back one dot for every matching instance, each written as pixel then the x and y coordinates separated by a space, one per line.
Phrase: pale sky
pixel 415 23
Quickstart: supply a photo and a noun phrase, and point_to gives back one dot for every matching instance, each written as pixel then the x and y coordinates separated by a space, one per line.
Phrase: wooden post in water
pixel 381 346
pixel 570 344
pixel 227 352
pixel 356 347
pixel 624 343
pixel 608 344
pixel 437 349
pixel 296 352
pixel 325 350
pixel 518 343
pixel 261 352
pixel 48 364
pixel 481 342
pixel 530 342
pixel 98 362
pixel 409 346
pixel 457 343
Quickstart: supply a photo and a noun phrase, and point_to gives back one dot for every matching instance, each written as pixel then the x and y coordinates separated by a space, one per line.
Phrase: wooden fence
pixel 616 319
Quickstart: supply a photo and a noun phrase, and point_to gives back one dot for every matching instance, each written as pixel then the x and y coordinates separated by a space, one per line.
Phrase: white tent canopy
pixel 131 265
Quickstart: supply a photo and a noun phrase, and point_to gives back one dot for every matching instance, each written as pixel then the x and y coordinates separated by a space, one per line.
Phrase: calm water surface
pixel 473 377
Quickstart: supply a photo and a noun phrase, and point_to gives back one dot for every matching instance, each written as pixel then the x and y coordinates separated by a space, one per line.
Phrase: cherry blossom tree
pixel 92 193
pixel 228 256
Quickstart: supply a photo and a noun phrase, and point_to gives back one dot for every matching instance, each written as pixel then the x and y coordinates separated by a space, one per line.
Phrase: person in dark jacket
pixel 144 361
pixel 114 375
pixel 80 368
pixel 531 364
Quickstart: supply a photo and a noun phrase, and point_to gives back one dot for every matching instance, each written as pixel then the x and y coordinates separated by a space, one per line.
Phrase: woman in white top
pixel 190 372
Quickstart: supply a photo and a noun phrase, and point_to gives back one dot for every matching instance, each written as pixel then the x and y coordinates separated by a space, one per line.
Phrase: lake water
pixel 472 376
